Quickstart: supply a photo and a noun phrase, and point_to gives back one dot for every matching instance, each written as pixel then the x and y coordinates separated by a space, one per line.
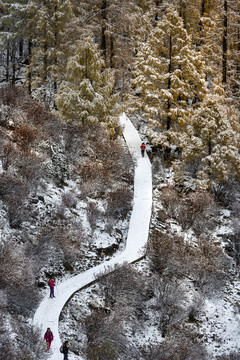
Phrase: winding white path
pixel 48 312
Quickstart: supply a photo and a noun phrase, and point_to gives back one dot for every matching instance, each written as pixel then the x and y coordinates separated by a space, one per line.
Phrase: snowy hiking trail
pixel 49 310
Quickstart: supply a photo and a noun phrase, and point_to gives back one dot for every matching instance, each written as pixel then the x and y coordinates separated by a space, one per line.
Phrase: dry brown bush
pixel 10 95
pixel 119 202
pixel 69 200
pixel 173 349
pixel 8 154
pixel 25 135
pixel 104 335
pixel 123 289
pixel 169 197
pixel 65 245
pixel 203 263
pixel 193 210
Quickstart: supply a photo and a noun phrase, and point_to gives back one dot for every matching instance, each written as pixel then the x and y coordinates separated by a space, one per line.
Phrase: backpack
pixel 61 349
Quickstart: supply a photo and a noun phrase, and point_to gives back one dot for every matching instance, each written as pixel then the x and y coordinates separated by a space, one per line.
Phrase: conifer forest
pixel 68 70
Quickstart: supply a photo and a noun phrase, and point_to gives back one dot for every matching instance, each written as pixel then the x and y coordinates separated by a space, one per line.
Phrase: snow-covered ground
pixel 48 312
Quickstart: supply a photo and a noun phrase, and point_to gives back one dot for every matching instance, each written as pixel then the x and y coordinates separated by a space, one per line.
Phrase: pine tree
pixel 169 75
pixel 211 143
pixel 12 43
pixel 85 95
pixel 47 32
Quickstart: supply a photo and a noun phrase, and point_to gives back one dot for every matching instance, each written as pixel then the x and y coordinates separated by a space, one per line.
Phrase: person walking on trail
pixel 64 350
pixel 143 148
pixel 51 283
pixel 48 336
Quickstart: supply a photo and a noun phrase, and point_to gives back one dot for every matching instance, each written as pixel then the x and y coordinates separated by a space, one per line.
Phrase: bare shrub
pixel 11 186
pixel 94 214
pixel 231 356
pixel 123 290
pixel 10 94
pixel 169 197
pixel 167 254
pixel 175 349
pixel 59 211
pixel 90 169
pixel 13 266
pixel 195 308
pixel 17 276
pixel 27 345
pixel 204 263
pixel 236 240
pixel 193 209
pixel 225 192
pixel 14 193
pixel 69 200
pixel 65 244
pixel 169 303
pixel 25 135
pixel 119 202
pixel 104 336
pixel 30 169
pixel 8 154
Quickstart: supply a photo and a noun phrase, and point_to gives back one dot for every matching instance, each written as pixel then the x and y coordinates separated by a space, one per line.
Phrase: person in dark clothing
pixel 65 350
pixel 143 148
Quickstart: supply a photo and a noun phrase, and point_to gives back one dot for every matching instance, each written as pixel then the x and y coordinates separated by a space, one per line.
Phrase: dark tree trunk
pixel 103 34
pixel 225 43
pixel 169 79
pixel 13 63
pixel 30 67
pixel 7 63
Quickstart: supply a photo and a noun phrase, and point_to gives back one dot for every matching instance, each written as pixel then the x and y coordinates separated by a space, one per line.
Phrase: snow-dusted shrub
pixel 175 348
pixel 24 135
pixel 10 94
pixel 235 238
pixel 104 336
pixel 65 245
pixel 17 277
pixel 30 169
pixel 119 201
pixel 226 192
pixel 195 307
pixel 203 263
pixel 168 302
pixel 193 210
pixel 169 198
pixel 123 290
pixel 25 344
pixel 14 192
pixel 93 214
pixel 231 356
pixel 8 153
pixel 69 200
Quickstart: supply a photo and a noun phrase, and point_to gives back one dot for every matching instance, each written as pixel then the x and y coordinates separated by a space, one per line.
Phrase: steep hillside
pixel 65 200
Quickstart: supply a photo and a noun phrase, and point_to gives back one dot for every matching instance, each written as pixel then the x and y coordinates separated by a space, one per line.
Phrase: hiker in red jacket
pixel 48 337
pixel 51 283
pixel 143 148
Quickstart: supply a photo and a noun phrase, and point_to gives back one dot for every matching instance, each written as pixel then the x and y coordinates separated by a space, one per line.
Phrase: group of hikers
pixel 51 282
pixel 48 336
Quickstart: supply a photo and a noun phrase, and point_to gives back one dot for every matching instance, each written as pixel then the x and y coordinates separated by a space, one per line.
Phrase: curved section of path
pixel 49 310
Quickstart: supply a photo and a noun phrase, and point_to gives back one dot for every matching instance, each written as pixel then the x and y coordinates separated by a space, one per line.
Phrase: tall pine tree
pixel 86 94
pixel 211 143
pixel 169 75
